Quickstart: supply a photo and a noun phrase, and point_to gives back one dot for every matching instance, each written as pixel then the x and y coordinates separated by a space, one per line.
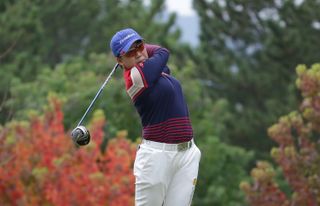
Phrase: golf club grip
pixel 98 93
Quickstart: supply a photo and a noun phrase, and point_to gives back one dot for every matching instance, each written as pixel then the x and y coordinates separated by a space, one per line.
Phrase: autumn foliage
pixel 297 154
pixel 39 164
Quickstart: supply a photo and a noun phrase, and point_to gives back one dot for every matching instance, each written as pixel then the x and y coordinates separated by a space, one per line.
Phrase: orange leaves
pixel 264 191
pixel 309 84
pixel 39 165
pixel 308 79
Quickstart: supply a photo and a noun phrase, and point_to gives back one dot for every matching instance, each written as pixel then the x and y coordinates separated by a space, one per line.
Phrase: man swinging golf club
pixel 167 161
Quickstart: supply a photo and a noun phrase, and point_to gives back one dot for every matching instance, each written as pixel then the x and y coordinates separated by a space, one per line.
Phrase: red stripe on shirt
pixel 174 130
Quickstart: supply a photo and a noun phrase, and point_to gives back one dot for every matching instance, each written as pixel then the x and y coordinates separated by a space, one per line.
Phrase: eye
pixel 136 48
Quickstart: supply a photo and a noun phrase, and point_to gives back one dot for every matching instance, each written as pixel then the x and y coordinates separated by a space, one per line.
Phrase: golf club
pixel 80 135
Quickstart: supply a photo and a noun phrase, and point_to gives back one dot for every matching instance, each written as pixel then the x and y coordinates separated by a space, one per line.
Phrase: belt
pixel 183 146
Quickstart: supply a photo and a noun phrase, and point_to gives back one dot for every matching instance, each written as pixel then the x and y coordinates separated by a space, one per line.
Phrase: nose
pixel 138 54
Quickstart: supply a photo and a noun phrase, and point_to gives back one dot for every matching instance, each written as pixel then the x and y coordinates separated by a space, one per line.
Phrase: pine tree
pixel 42 34
pixel 248 53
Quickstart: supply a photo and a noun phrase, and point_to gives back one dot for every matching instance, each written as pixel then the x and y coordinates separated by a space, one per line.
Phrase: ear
pixel 119 60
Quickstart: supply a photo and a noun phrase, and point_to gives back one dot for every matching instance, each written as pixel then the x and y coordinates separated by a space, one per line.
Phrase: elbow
pixel 166 53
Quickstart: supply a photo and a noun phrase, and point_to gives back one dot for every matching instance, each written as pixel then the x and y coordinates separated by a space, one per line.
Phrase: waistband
pixel 183 146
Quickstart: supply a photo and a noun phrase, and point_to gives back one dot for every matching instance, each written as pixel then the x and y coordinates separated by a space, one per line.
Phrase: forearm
pixel 151 48
pixel 156 63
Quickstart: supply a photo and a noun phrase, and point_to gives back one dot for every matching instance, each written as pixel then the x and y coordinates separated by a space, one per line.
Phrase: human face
pixel 136 54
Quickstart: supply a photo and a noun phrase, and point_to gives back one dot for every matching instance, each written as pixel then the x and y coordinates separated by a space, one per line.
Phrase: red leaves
pixel 41 166
pixel 296 154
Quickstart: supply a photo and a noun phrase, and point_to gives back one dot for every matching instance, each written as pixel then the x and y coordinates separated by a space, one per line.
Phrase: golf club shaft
pixel 98 93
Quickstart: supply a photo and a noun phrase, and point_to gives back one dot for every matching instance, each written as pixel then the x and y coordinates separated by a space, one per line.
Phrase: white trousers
pixel 165 177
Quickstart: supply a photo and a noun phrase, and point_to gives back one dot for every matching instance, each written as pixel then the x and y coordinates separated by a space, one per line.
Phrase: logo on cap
pixel 126 37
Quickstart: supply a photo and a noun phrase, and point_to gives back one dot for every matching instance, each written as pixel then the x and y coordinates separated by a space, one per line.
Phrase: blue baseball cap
pixel 122 41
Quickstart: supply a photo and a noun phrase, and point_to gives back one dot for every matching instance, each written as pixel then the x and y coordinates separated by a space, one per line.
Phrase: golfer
pixel 167 161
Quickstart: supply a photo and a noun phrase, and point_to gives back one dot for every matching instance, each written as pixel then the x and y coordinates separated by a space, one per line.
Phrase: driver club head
pixel 80 136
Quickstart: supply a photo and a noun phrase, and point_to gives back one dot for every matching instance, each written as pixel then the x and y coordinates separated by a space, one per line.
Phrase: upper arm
pixel 135 83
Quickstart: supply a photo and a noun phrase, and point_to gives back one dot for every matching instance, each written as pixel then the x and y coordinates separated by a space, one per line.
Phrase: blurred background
pixel 236 61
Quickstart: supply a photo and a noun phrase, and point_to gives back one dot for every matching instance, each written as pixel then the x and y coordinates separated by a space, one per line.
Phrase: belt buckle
pixel 183 146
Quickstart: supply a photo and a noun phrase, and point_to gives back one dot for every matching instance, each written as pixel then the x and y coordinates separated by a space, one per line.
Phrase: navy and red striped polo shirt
pixel 158 98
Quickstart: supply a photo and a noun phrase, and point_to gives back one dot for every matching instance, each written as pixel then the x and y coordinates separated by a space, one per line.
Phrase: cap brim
pixel 129 44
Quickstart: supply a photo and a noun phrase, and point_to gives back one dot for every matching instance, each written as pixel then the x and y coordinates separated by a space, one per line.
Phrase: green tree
pixel 222 168
pixel 41 34
pixel 248 50
pixel 57 31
